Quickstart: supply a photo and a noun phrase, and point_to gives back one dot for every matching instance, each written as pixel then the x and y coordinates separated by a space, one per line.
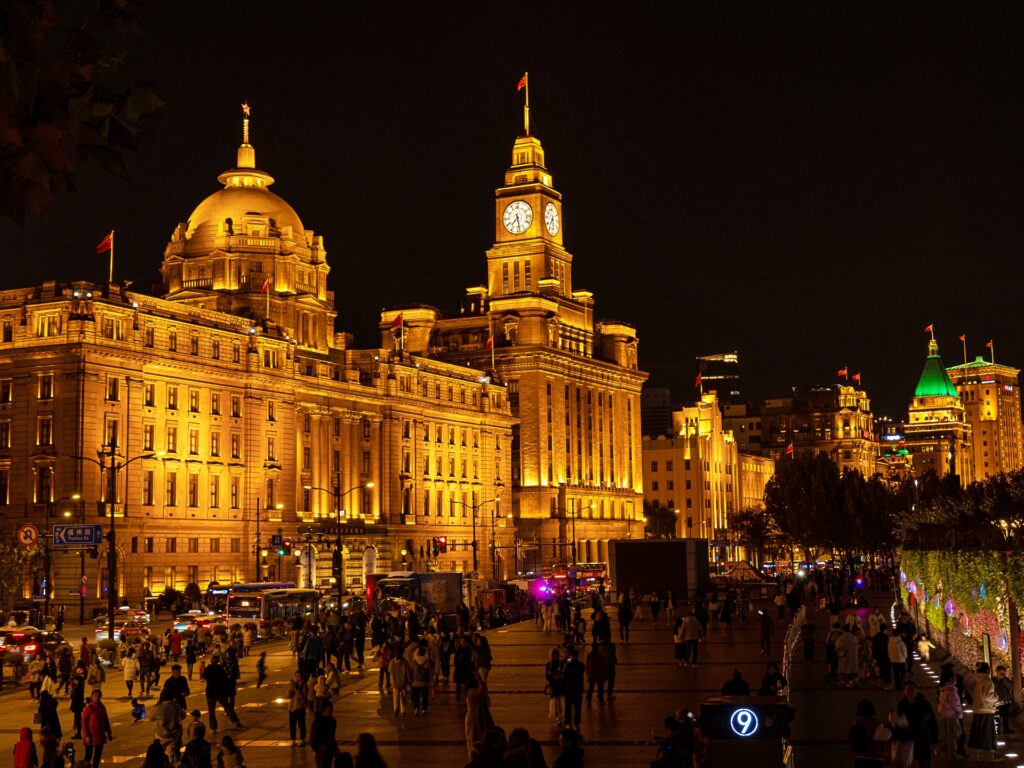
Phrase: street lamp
pixel 47 564
pixel 476 509
pixel 573 512
pixel 338 496
pixel 110 451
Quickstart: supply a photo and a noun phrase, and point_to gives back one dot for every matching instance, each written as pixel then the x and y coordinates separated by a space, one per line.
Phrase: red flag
pixel 963 337
pixel 490 343
pixel 842 372
pixel 988 344
pixel 928 328
pixel 266 286
pixel 397 322
pixel 106 243
pixel 856 376
pixel 697 382
pixel 521 84
pixel 789 449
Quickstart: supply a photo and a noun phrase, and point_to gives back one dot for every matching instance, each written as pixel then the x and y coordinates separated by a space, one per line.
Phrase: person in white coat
pixel 131 668
pixel 848 650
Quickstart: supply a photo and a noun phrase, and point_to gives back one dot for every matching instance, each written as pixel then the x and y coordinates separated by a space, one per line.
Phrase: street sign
pixel 77 535
pixel 276 540
pixel 28 535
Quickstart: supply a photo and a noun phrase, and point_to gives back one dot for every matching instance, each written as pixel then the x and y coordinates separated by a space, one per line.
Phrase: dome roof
pixel 934 381
pixel 235 202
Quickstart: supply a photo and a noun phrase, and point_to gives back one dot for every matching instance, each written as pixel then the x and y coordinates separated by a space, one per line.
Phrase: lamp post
pixel 573 512
pixel 476 509
pixel 47 563
pixel 338 496
pixel 110 472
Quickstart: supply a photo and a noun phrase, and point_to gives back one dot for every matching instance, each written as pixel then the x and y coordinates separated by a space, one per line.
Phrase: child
pixel 192 725
pixel 138 711
pixel 202 668
pixel 261 669
pixel 25 751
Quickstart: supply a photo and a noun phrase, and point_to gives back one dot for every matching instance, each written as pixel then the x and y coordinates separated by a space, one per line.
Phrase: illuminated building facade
pixel 237 411
pixel 835 420
pixel 937 433
pixel 701 473
pixel 991 398
pixel 572 379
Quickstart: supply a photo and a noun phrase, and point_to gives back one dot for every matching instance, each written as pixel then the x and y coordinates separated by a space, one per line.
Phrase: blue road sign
pixel 77 535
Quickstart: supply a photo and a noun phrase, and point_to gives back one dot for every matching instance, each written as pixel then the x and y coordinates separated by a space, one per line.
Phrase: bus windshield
pixel 272 605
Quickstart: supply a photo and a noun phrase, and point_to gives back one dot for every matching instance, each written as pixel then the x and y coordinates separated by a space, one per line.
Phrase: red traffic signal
pixel 442 543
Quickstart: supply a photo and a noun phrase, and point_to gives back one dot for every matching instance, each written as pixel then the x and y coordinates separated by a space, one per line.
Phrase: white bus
pixel 271 605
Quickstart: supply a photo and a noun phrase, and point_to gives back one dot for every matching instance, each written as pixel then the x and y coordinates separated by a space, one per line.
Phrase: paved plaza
pixel 616 735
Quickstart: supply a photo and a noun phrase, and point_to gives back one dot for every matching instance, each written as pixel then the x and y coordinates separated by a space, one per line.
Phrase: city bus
pixel 217 594
pixel 269 606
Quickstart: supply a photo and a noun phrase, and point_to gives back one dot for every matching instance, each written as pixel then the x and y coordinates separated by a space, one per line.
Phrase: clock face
pixel 551 219
pixel 517 217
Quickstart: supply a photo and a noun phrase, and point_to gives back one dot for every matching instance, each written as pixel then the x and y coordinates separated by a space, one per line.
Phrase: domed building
pixel 244 251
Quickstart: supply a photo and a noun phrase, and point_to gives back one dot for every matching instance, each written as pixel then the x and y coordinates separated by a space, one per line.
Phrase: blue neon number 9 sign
pixel 744 723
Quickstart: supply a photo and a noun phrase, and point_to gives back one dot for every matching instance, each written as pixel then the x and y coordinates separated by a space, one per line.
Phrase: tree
pixel 754 530
pixel 193 594
pixel 64 93
pixel 661 521
pixel 169 599
pixel 14 559
pixel 804 499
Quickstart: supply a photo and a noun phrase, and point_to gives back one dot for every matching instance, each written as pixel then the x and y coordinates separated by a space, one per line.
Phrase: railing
pixel 200 282
pixel 305 288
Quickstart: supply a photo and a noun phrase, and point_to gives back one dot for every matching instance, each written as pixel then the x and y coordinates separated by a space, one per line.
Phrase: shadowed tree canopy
pixel 64 97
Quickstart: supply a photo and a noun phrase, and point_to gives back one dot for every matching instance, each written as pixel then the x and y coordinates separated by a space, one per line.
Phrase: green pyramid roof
pixel 934 381
pixel 979 362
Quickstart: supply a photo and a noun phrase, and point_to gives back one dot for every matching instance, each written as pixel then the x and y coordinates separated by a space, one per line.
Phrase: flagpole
pixel 992 346
pixel 401 340
pixel 963 338
pixel 111 279
pixel 267 312
pixel 526 109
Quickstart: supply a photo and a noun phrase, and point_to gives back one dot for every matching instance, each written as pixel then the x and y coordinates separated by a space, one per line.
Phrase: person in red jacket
pixel 25 751
pixel 95 729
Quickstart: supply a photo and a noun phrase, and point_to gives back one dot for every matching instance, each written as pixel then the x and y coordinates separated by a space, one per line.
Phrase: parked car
pixel 28 641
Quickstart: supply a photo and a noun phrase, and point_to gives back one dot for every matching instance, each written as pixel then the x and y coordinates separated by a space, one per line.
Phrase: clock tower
pixel 528 228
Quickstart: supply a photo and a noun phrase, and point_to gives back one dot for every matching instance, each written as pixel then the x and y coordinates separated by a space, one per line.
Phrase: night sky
pixel 809 188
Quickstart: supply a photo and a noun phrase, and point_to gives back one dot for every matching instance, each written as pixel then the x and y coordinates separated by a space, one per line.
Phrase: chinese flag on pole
pixel 963 337
pixel 928 328
pixel 106 243
pixel 521 84
pixel 988 344
pixel 266 286
pixel 490 343
pixel 789 449
pixel 697 382
pixel 842 372
pixel 856 376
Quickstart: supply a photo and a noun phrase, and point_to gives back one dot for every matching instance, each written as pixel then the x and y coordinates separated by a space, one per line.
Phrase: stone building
pixel 236 413
pixel 991 398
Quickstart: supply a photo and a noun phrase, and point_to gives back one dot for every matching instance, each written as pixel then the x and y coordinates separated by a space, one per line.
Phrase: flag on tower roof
pixel 106 243
pixel 521 84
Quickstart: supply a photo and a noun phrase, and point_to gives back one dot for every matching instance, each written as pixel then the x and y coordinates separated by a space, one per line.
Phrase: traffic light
pixel 442 543
pixel 336 564
pixel 435 546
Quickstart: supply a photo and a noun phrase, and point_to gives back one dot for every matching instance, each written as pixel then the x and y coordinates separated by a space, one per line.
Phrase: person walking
pixel 297 706
pixel 625 617
pixel 950 711
pixel 399 670
pixel 869 737
pixel 482 656
pixel 323 736
pixel 553 685
pixel 190 656
pixel 95 728
pixel 848 655
pixel 77 699
pixel 597 675
pixel 921 722
pixel 96 676
pixel 984 701
pixel 670 607
pixel 655 608
pixel 573 673
pixel 218 691
pixel 420 680
pixel 880 653
pixel 1004 694
pixel 897 650
pixel 167 716
pixel 478 713
pixel 679 642
pixel 611 662
pixel 692 635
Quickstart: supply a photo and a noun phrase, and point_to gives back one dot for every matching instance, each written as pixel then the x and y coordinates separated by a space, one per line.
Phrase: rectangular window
pixel 172 398
pixel 193 345
pixel 236 445
pixel 336 461
pixel 307 423
pixel 149 395
pixel 193 544
pixel 214 546
pixel 236 406
pixel 193 442
pixel 366 429
pixel 366 462
pixel 112 328
pixel 48 325
pixel 236 545
pixel 236 353
pixel 6 391
pixel 149 336
pixel 5 434
pixel 172 544
pixel 44 431
pixel 147 437
pixel 271 452
pixel 306 457
pixel 234 492
pixel 215 443
pixel 5 487
pixel 46 386
pixel 172 341
pixel 215 350
pixel 214 491
pixel 110 432
pixel 193 400
pixel 172 489
pixel 271 411
pixel 193 490
pixel 135 545
pixel 215 404
pixel 148 544
pixel 113 388
pixel 147 487
pixel 8 331
pixel 172 440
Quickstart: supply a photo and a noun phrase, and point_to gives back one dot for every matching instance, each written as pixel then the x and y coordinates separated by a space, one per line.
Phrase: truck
pixel 649 565
pixel 441 592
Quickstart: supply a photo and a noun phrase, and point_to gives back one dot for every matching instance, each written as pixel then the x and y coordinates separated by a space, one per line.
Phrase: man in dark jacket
pixel 523 751
pixel 922 726
pixel 177 686
pixel 601 629
pixel 218 689
pixel 573 673
pixel 880 652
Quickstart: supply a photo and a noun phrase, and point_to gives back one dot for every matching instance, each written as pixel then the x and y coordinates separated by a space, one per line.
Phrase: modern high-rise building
pixel 991 398
pixel 572 379
pixel 937 433
pixel 656 411
pixel 236 413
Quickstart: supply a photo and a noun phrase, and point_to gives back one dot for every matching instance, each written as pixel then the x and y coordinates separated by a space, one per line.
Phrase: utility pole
pixel 256 549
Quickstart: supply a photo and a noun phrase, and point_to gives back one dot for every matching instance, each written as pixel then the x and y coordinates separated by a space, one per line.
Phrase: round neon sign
pixel 744 723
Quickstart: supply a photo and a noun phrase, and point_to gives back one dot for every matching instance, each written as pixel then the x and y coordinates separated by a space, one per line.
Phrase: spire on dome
pixel 246 153
pixel 934 381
